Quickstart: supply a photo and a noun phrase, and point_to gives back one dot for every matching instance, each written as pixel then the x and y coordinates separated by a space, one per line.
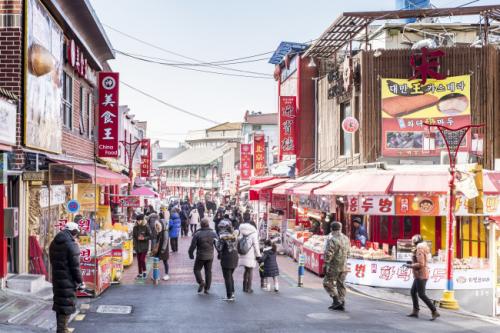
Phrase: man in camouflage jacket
pixel 336 253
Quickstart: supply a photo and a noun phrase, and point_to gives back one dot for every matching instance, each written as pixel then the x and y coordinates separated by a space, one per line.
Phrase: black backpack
pixel 244 245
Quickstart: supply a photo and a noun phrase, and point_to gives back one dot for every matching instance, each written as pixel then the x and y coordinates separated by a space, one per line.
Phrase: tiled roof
pixel 227 126
pixel 262 119
pixel 194 156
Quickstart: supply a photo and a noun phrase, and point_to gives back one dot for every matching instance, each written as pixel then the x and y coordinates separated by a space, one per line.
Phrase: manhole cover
pixel 114 309
pixel 327 315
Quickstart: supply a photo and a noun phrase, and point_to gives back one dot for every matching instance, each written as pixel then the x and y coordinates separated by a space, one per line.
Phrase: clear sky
pixel 212 30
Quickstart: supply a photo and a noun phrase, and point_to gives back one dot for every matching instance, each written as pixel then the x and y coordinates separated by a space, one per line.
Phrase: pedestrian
pixel 418 264
pixel 161 250
pixel 360 233
pixel 247 216
pixel 174 228
pixel 141 236
pixel 185 209
pixel 325 223
pixel 217 218
pixel 336 253
pixel 194 220
pixel 270 265
pixel 201 209
pixel 152 218
pixel 203 242
pixel 64 255
pixel 248 249
pixel 315 228
pixel 227 248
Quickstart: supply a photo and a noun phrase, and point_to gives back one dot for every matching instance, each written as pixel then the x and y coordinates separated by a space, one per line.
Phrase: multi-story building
pixel 267 124
pixel 161 154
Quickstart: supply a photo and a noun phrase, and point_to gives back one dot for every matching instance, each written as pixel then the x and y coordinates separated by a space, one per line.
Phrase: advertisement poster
pixel 407 105
pixel 146 158
pixel 245 161
pixel 130 201
pixel 415 205
pixel 43 74
pixel 8 113
pixel 259 155
pixel 287 118
pixel 108 114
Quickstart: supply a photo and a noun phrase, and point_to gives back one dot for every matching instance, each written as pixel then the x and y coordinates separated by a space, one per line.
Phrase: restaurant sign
pixel 288 119
pixel 146 158
pixel 259 154
pixel 371 205
pixel 108 114
pixel 417 205
pixel 245 161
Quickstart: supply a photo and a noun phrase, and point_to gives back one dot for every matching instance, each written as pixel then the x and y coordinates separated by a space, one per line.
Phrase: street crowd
pixel 234 240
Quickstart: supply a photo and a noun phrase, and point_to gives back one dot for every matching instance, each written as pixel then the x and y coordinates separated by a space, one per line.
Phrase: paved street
pixel 174 306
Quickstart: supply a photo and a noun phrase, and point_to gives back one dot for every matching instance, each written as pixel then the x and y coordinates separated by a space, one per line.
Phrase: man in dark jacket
pixel 203 241
pixel 64 255
pixel 201 209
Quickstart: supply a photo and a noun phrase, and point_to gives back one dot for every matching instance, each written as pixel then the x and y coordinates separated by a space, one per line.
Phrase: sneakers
pixel 139 276
pixel 206 292
pixel 201 287
pixel 144 275
pixel 166 277
pixel 276 290
pixel 413 314
pixel 229 299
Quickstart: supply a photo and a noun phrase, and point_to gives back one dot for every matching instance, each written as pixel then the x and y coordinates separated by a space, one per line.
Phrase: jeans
pixel 141 262
pixel 184 229
pixel 193 228
pixel 174 244
pixel 418 288
pixel 207 265
pixel 229 281
pixel 165 263
pixel 247 279
pixel 62 323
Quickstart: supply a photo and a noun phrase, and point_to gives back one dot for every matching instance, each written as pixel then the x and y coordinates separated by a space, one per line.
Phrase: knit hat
pixel 336 226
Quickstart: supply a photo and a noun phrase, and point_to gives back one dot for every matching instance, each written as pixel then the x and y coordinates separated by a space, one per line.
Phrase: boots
pixel 413 314
pixel 336 305
pixel 435 315
pixel 245 286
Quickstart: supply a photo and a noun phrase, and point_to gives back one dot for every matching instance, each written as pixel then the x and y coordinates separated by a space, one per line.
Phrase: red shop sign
pixel 133 202
pixel 288 116
pixel 108 115
pixel 245 161
pixel 259 153
pixel 146 158
pixel 84 225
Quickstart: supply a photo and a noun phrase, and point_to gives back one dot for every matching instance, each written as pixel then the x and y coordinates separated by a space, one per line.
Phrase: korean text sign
pixel 407 105
pixel 288 119
pixel 145 158
pixel 245 161
pixel 259 155
pixel 108 114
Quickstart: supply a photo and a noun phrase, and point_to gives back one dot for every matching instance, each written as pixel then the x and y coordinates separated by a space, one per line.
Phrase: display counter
pixel 95 280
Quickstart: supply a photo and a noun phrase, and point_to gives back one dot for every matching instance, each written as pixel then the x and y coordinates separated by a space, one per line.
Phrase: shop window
pixel 472 238
pixel 67 102
pixel 90 119
pixel 384 228
pixel 159 156
pixel 407 227
pixel 395 230
pixel 256 127
pixel 82 110
pixel 345 138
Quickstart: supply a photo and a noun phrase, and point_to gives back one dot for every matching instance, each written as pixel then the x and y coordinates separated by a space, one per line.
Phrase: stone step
pixel 26 283
pixel 12 308
pixel 40 316
pixel 24 316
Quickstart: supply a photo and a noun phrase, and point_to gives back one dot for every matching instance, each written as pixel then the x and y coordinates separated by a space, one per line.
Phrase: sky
pixel 211 30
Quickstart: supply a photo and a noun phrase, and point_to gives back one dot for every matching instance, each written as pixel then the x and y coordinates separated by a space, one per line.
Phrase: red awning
pixel 285 188
pixel 421 183
pixel 308 188
pixel 358 184
pixel 101 176
pixel 268 184
pixel 144 191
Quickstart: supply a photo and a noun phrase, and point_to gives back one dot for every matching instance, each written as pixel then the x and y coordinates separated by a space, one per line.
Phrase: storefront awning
pixel 358 184
pixel 101 176
pixel 421 183
pixel 285 188
pixel 308 188
pixel 144 191
pixel 267 184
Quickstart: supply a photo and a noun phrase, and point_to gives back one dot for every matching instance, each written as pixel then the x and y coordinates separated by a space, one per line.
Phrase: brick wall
pixel 11 60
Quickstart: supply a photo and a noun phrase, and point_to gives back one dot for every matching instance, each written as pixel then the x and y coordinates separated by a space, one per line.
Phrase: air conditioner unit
pixel 462 157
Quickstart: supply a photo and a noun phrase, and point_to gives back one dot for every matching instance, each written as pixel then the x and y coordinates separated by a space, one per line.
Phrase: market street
pixel 174 306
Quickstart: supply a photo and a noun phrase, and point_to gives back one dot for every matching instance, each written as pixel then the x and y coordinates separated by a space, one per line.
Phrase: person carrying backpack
pixel 249 251
pixel 270 265
pixel 227 248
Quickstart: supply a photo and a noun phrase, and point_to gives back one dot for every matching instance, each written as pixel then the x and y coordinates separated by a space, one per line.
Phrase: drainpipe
pixel 316 168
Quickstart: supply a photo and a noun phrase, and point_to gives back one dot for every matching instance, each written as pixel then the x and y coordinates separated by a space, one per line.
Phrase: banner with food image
pixel 43 73
pixel 407 105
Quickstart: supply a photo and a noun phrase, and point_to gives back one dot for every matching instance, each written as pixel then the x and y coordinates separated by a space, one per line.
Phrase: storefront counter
pixel 95 281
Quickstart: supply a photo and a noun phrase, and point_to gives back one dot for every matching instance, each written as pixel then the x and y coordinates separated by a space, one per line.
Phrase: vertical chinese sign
pixel 259 155
pixel 288 115
pixel 108 115
pixel 245 161
pixel 146 158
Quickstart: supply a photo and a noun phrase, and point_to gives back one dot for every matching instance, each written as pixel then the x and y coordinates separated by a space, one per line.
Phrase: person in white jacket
pixel 249 260
pixel 194 220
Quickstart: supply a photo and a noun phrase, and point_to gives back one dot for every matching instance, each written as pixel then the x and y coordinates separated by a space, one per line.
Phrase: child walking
pixel 270 266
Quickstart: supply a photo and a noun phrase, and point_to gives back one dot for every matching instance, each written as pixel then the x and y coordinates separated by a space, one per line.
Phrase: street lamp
pixel 452 137
pixel 130 150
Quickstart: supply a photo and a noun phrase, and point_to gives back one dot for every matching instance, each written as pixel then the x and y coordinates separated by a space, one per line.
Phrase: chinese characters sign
pixel 407 105
pixel 371 205
pixel 259 155
pixel 245 161
pixel 426 65
pixel 108 115
pixel 288 116
pixel 145 158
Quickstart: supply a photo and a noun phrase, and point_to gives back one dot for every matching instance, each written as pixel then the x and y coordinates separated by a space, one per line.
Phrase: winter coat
pixel 270 264
pixel 203 242
pixel 152 218
pixel 64 255
pixel 227 247
pixel 247 216
pixel 174 226
pixel 249 259
pixel 201 209
pixel 141 228
pixel 194 217
pixel 419 259
pixel 162 243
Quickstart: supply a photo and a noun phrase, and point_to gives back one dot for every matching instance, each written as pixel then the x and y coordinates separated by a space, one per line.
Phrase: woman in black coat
pixel 270 264
pixel 161 251
pixel 227 247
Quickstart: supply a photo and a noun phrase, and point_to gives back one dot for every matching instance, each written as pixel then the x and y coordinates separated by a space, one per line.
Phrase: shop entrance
pixel 13 243
pixel 388 229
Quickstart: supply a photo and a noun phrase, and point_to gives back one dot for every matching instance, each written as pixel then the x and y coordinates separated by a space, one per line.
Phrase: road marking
pixel 79 317
pixel 85 306
pixel 114 309
pixel 71 330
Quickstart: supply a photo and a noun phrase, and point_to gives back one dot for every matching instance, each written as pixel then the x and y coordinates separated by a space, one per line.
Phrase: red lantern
pixel 350 125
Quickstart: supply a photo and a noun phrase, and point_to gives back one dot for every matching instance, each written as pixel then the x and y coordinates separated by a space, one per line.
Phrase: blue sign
pixel 73 206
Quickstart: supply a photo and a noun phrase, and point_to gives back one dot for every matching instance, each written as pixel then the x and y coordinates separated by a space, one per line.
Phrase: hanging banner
pixel 245 161
pixel 146 158
pixel 259 154
pixel 407 105
pixel 108 115
pixel 371 205
pixel 287 117
pixel 417 205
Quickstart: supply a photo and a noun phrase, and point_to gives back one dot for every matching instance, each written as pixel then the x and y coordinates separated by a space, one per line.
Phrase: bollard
pixel 302 260
pixel 156 270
